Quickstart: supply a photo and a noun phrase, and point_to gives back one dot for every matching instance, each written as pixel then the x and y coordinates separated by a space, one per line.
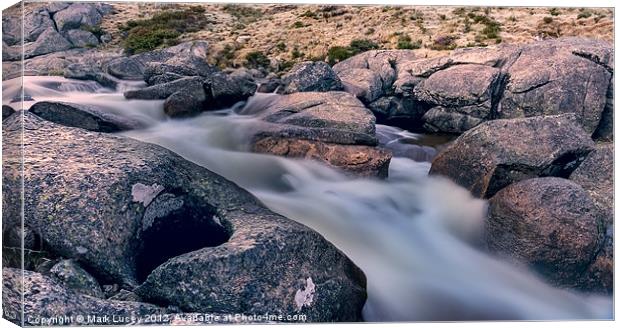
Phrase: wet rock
pixel 185 103
pixel 179 66
pixel 442 119
pixel 321 126
pixel 497 153
pixel 7 111
pixel 214 92
pixel 77 15
pixel 133 211
pixel 596 175
pixel 226 90
pixel 361 160
pixel 311 76
pixel 550 223
pixel 163 91
pixel 87 117
pixel 81 38
pixel 126 68
pixel 84 72
pixel 73 277
pixel 45 299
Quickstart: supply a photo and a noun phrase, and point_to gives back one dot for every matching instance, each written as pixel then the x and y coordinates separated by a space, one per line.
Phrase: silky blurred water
pixel 417 238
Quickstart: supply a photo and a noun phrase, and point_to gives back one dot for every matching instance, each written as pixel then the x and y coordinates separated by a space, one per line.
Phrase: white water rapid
pixel 414 236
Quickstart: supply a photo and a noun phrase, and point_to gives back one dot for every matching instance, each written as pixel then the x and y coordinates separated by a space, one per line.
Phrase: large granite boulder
pixel 371 74
pixel 48 41
pixel 454 93
pixel 549 223
pixel 77 15
pixel 332 127
pixel 82 38
pixel 35 21
pixel 7 111
pixel 596 176
pixel 185 56
pixel 311 76
pixel 497 153
pixel 462 97
pixel 48 303
pixel 88 117
pixel 132 212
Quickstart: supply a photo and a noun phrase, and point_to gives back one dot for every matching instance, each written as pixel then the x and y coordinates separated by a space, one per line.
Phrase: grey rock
pixel 7 111
pixel 54 7
pixel 550 224
pixel 226 90
pixel 81 38
pixel 332 127
pixel 44 299
pixel 497 153
pixel 596 175
pixel 164 90
pixel 21 237
pixel 74 277
pixel 157 211
pixel 126 68
pixel 311 76
pixel 35 22
pixel 185 103
pixel 125 295
pixel 370 74
pixel 446 120
pixel 87 117
pixel 77 15
pixel 49 41
pixel 85 72
pixel 179 66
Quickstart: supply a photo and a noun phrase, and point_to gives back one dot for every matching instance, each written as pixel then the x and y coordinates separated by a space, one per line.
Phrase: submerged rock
pixel 87 117
pixel 311 76
pixel 497 153
pixel 132 211
pixel 549 223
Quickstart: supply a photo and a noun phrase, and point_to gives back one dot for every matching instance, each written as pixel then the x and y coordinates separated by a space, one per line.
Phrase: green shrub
pixel 554 12
pixel 244 13
pixel 96 30
pixel 296 53
pixel 584 14
pixel 548 20
pixel 338 54
pixel 298 24
pixel 256 59
pixel 163 29
pixel 281 46
pixel 404 42
pixel 361 45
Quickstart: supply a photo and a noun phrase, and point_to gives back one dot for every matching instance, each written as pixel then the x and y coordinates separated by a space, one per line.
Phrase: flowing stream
pixel 417 238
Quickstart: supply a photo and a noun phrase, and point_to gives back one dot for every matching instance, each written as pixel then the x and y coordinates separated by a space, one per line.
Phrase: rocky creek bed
pixel 384 188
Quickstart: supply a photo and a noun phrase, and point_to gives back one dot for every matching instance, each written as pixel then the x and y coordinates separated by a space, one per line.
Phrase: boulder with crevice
pixel 498 153
pixel 136 214
pixel 77 15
